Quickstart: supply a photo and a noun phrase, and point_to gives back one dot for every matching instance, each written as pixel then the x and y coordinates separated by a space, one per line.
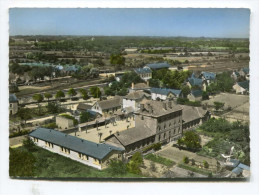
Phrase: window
pixel 164 135
pixel 164 126
pixel 11 105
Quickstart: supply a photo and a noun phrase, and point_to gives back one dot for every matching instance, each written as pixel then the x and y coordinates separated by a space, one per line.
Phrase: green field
pixel 51 165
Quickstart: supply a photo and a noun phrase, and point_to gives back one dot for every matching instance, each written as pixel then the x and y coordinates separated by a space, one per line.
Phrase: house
pixel 71 69
pixel 194 82
pixel 63 122
pixel 157 66
pixel 235 75
pixel 83 107
pixel 164 93
pixel 155 122
pixel 242 87
pixel 139 87
pixel 195 95
pixel 209 77
pixel 193 117
pixel 144 73
pixel 107 106
pixel 89 153
pixel 133 99
pixel 13 104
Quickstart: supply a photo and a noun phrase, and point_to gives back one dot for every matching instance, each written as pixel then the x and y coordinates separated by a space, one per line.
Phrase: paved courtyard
pixel 93 134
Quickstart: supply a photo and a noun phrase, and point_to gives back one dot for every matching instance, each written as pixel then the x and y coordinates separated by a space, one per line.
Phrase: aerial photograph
pixel 129 94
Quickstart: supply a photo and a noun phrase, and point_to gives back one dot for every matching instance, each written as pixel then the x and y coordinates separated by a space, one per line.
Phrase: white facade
pixel 154 96
pixel 130 103
pixel 239 89
pixel 97 108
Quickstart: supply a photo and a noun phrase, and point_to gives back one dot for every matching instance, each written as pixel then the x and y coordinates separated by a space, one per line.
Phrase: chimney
pixel 132 85
pixel 164 105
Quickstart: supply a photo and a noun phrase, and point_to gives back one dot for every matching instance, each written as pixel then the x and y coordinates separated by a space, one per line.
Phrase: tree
pixel 84 94
pixel 135 163
pixel 191 140
pixel 117 167
pixel 48 96
pixel 60 94
pixel 185 159
pixel 117 59
pixel 185 90
pixel 21 163
pixel 85 117
pixel 38 98
pixel 205 95
pixel 154 83
pixel 95 91
pixel 25 114
pixel 205 164
pixel 53 107
pixel 29 144
pixel 72 92
pixel 218 105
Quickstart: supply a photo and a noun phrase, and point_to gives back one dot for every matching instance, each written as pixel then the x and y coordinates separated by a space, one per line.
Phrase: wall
pixel 129 103
pixel 154 96
pixel 13 108
pixel 64 123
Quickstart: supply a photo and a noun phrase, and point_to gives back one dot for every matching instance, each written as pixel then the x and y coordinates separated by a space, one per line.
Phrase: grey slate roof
pixel 112 103
pixel 165 91
pixel 13 98
pixel 191 113
pixel 196 93
pixel 244 84
pixel 133 135
pixel 158 65
pixel 156 108
pixel 246 70
pixel 143 70
pixel 83 106
pixel 86 147
pixel 209 75
pixel 136 95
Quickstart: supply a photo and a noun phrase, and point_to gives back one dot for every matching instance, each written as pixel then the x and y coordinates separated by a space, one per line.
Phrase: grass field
pixel 51 165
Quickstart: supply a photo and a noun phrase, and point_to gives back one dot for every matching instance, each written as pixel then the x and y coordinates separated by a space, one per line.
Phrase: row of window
pixel 169 116
pixel 164 135
pixel 85 157
pixel 165 125
pixel 35 139
pixel 145 75
pixel 64 150
pixel 48 144
pixel 138 145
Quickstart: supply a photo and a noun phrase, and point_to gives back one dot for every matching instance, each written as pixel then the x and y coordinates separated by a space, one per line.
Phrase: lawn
pixel 160 160
pixel 51 165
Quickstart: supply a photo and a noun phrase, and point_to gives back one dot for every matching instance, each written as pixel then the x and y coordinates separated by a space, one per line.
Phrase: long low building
pixel 89 153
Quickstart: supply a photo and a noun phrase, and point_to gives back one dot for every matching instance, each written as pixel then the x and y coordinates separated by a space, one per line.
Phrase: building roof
pixel 133 135
pixel 136 95
pixel 158 65
pixel 195 81
pixel 83 106
pixel 244 84
pixel 157 108
pixel 143 70
pixel 191 113
pixel 165 91
pixel 76 144
pixel 196 93
pixel 209 75
pixel 112 103
pixel 72 68
pixel 246 70
pixel 141 86
pixel 13 98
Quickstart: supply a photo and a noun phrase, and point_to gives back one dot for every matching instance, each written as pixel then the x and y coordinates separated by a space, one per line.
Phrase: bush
pixel 117 167
pixel 205 164
pixel 134 165
pixel 19 133
pixel 157 146
pixel 29 145
pixel 193 162
pixel 186 160
pixel 51 126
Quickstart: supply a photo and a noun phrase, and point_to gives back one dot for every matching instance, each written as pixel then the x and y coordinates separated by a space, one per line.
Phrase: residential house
pixel 107 106
pixel 144 73
pixel 195 95
pixel 13 104
pixel 139 87
pixel 164 93
pixel 155 122
pixel 193 116
pixel 133 99
pixel 83 107
pixel 242 87
pixel 64 122
pixel 157 66
pixel 194 82
pixel 208 77
pixel 89 153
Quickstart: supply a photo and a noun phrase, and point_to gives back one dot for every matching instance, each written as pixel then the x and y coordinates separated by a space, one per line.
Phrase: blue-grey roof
pixel 237 170
pixel 235 162
pixel 196 93
pixel 12 98
pixel 236 73
pixel 195 81
pixel 209 75
pixel 159 65
pixel 72 68
pixel 76 144
pixel 242 166
pixel 165 91
pixel 244 84
pixel 245 70
pixel 143 70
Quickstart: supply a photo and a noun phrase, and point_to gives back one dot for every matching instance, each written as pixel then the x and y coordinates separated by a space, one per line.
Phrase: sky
pixel 187 22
